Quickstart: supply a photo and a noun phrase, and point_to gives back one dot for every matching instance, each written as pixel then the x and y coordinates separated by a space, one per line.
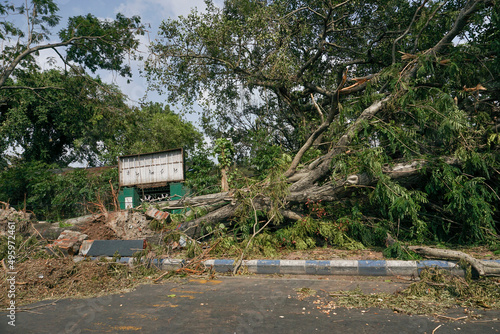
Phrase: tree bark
pixel 484 268
pixel 405 172
pixel 323 165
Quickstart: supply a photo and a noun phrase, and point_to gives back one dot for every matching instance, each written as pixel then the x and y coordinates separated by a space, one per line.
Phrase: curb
pixel 336 267
pixel 314 267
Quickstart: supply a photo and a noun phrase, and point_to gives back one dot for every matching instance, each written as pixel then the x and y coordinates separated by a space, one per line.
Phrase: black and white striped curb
pixel 316 267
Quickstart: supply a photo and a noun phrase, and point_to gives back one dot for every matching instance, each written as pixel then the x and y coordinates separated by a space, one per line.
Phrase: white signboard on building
pixel 151 169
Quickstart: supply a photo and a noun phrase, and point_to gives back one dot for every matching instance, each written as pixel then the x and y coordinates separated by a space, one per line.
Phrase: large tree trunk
pixel 226 204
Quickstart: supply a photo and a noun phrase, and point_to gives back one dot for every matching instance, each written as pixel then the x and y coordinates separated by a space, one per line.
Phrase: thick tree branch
pixel 404 172
pixel 324 166
pixel 31 88
pixel 310 141
pixel 484 268
pixel 9 69
pixel 462 19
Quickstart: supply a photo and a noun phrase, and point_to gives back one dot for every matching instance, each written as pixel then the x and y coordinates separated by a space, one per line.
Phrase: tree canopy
pixel 393 102
pixel 152 127
pixel 67 122
pixel 88 41
pixel 52 118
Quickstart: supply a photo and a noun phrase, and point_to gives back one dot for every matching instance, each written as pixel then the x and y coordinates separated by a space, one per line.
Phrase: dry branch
pixel 484 268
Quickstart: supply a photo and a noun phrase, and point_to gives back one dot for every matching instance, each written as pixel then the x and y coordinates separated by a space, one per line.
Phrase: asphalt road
pixel 235 305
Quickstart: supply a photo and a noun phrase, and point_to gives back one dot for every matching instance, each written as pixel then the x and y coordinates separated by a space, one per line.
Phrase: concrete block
pixel 293 267
pixel 372 267
pixel 172 264
pixel 401 268
pixel 318 267
pixel 158 215
pixel 68 243
pixel 451 266
pixel 222 266
pixel 268 266
pixel 343 267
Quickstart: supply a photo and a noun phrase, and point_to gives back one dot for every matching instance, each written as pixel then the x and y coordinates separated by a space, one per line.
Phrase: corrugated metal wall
pixel 151 169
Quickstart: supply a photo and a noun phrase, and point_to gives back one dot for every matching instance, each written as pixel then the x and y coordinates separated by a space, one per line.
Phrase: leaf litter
pixel 436 292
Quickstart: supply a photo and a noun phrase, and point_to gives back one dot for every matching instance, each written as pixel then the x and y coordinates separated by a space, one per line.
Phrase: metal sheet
pixel 151 168
pixel 110 247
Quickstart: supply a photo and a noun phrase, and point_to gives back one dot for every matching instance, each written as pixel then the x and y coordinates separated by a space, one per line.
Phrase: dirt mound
pixel 98 229
pixel 125 225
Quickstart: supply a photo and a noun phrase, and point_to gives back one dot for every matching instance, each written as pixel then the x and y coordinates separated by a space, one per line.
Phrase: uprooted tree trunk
pixel 304 185
pixel 483 268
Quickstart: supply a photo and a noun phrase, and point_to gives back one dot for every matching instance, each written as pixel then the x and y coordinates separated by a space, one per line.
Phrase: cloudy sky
pixel 152 12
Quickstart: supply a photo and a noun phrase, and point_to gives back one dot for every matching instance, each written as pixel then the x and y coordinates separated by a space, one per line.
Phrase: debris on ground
pixel 145 235
pixel 53 278
pixel 154 213
pixel 130 224
pixel 98 229
pixel 21 218
pixel 436 291
pixel 68 243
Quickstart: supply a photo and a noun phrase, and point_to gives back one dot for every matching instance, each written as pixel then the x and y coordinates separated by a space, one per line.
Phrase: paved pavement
pixel 252 304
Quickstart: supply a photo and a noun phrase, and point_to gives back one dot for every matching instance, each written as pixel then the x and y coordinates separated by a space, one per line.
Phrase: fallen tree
pixel 223 206
pixel 401 134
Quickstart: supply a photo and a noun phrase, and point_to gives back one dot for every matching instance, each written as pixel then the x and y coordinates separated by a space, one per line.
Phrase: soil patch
pixel 98 229
pixel 333 254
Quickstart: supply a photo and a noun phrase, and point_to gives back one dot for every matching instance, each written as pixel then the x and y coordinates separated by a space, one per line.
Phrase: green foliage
pixel 83 119
pixel 102 44
pixel 202 175
pixel 264 156
pixel 224 150
pixel 268 75
pixel 308 233
pixel 465 200
pixel 152 127
pixel 52 194
pixel 398 203
pixel 365 233
pixel 264 62
pixel 398 251
pixel 89 41
pixel 65 122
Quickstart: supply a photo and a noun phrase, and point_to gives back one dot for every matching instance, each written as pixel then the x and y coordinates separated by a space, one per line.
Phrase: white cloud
pixel 157 10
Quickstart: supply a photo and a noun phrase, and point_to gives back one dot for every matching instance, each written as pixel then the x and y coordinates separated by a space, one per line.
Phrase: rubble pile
pixel 22 220
pixel 130 225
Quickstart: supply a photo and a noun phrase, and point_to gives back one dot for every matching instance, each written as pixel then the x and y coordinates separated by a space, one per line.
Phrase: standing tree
pixel 152 127
pixel 73 121
pixel 88 41
pixel 399 99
